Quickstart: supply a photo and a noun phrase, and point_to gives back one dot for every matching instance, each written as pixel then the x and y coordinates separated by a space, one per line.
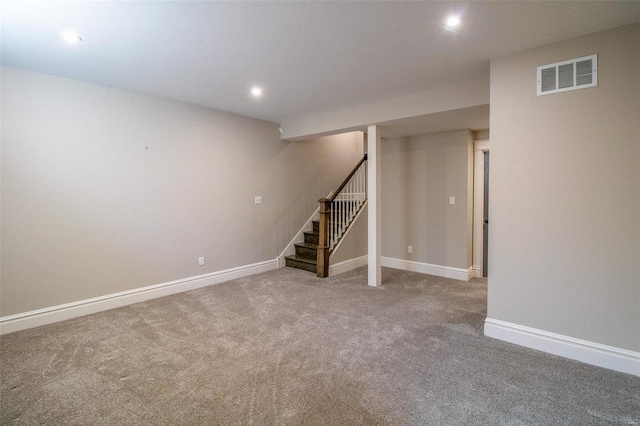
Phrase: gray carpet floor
pixel 285 347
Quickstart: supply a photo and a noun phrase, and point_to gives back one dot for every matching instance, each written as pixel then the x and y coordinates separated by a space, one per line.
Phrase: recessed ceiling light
pixel 71 37
pixel 453 22
pixel 256 92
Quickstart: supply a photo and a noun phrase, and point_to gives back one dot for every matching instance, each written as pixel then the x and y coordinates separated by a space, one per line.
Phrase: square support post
pixel 374 278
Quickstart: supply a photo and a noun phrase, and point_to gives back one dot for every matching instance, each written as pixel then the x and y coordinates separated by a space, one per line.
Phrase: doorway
pixel 481 208
pixel 485 210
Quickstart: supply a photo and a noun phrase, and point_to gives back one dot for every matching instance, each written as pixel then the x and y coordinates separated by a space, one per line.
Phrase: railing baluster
pixel 359 191
pixel 344 215
pixel 337 227
pixel 360 185
pixel 355 194
pixel 351 205
pixel 341 211
pixel 333 223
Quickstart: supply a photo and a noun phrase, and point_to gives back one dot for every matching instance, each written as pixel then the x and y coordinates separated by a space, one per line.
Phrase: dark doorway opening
pixel 485 227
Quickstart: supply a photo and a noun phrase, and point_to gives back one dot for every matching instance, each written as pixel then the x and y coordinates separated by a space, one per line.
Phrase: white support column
pixel 373 195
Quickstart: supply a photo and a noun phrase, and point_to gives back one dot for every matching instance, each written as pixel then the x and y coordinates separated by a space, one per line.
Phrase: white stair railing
pixel 346 204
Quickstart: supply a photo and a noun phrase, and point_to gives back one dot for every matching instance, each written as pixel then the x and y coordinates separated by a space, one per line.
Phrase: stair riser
pixel 306 252
pixel 301 265
pixel 311 239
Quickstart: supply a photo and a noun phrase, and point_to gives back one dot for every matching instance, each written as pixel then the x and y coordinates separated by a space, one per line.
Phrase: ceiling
pixel 308 57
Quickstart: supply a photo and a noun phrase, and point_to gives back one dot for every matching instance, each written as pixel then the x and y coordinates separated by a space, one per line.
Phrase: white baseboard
pixel 592 353
pixel 347 265
pixel 427 268
pixel 44 316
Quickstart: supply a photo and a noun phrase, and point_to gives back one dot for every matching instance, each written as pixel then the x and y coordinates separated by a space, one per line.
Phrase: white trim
pixel 347 265
pixel 66 311
pixel 427 268
pixel 347 231
pixel 476 271
pixel 296 239
pixel 483 145
pixel 585 351
pixel 479 148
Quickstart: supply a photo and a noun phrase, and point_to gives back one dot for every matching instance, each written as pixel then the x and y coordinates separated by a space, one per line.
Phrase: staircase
pixel 337 214
pixel 306 256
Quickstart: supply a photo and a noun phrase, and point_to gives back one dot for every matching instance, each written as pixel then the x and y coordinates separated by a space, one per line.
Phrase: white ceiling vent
pixel 574 74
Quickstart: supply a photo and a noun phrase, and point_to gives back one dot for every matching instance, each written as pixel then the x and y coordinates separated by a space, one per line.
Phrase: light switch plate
pixel 452 200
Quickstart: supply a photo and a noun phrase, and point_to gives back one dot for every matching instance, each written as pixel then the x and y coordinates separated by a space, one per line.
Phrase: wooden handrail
pixel 353 172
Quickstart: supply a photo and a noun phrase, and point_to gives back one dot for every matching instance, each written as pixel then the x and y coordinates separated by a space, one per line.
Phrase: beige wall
pixel 564 244
pixel 106 190
pixel 481 135
pixel 419 174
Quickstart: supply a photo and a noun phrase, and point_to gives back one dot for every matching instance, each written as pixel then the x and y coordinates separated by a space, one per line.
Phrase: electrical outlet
pixel 201 260
pixel 258 199
pixel 452 200
pixel 410 249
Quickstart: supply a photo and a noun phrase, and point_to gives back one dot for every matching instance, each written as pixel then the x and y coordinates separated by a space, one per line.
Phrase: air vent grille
pixel 548 79
pixel 584 74
pixel 574 74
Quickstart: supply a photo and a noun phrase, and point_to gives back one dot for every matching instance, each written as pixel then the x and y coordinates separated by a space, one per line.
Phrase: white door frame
pixel 479 148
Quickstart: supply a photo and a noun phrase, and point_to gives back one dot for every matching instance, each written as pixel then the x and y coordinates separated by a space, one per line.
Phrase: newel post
pixel 323 242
